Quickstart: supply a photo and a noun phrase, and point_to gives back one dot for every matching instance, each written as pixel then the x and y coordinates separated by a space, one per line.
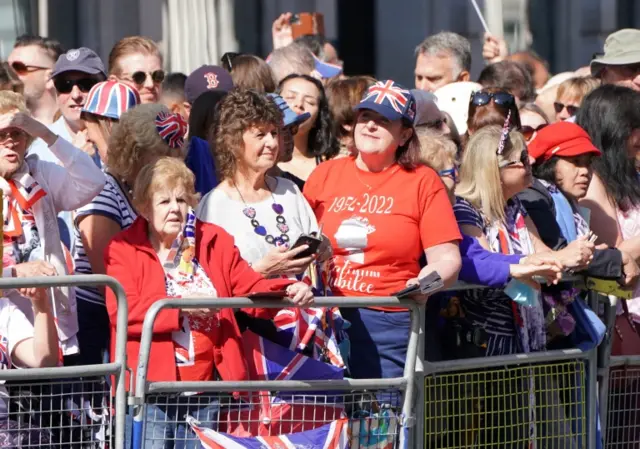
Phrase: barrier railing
pixel 619 389
pixel 54 407
pixel 547 398
pixel 372 420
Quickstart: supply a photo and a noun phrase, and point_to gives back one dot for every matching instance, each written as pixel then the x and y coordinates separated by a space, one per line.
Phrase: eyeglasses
pixel 572 110
pixel 22 69
pixel 227 60
pixel 140 77
pixel 65 86
pixel 499 98
pixel 529 132
pixel 524 160
pixel 453 173
pixel 12 134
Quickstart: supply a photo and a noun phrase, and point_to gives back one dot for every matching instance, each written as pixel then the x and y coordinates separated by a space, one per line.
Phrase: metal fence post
pixel 116 369
pixel 418 432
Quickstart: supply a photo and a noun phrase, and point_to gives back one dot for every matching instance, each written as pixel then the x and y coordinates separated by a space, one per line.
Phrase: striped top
pixel 112 203
pixel 490 309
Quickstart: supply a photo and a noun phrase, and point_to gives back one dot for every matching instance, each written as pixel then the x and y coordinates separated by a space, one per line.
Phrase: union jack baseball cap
pixel 204 78
pixel 390 100
pixel 111 99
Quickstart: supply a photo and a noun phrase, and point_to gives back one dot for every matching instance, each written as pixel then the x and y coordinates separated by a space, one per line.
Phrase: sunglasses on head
pixel 227 60
pixel 500 98
pixel 524 160
pixel 140 77
pixel 528 131
pixel 22 69
pixel 572 110
pixel 64 86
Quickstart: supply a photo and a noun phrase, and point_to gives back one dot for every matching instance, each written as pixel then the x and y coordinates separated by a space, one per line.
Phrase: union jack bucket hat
pixel 111 99
pixel 390 100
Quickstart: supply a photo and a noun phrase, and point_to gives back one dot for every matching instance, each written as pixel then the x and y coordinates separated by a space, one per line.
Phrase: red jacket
pixel 131 260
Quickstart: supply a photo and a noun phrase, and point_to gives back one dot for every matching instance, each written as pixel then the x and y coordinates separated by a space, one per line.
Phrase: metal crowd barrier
pixel 373 420
pixel 72 406
pixel 544 399
pixel 619 389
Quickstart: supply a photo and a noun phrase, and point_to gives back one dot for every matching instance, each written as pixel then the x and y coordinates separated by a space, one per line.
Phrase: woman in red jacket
pixel 168 253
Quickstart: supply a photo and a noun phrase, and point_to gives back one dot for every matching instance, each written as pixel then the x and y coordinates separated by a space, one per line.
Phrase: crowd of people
pixel 202 185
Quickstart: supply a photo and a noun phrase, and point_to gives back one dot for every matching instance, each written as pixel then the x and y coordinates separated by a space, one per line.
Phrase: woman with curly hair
pixel 265 214
pixel 315 140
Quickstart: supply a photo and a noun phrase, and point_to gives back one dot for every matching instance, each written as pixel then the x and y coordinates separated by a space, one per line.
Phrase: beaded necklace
pixel 281 222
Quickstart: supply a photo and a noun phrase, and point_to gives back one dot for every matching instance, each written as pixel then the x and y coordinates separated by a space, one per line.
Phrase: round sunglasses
pixel 140 77
pixel 65 86
pixel 500 98
pixel 572 110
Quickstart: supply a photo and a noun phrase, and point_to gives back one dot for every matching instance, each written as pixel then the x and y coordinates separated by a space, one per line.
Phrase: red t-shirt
pixel 379 223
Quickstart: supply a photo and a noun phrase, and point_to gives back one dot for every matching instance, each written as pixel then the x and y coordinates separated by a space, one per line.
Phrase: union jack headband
pixel 504 135
pixel 172 128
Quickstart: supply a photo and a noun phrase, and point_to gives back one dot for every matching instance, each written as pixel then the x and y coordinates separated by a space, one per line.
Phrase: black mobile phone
pixel 313 242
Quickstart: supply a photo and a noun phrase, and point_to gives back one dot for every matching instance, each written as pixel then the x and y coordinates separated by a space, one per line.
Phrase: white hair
pixel 294 58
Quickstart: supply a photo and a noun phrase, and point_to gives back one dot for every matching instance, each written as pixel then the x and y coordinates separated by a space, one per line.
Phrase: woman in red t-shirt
pixel 382 212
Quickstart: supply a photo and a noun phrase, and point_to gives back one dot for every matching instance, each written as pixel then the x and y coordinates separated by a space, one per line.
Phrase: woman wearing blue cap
pixel 382 212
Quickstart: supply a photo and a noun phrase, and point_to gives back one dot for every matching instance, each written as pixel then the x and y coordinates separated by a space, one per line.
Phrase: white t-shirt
pixel 14 328
pixel 216 207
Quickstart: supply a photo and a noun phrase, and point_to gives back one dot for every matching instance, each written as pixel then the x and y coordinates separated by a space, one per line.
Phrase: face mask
pixel 522 294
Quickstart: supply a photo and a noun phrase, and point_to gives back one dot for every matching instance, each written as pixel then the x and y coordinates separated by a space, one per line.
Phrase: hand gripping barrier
pixel 53 407
pixel 317 399
pixel 543 399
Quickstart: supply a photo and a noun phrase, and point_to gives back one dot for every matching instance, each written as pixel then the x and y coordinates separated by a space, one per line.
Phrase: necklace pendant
pixel 283 227
pixel 277 208
pixel 249 212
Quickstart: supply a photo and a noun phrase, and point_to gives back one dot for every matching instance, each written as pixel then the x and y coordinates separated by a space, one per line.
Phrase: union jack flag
pixel 334 435
pixel 389 93
pixel 172 129
pixel 270 414
pixel 315 327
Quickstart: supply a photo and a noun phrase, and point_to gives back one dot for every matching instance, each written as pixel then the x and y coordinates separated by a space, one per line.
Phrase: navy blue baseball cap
pixel 390 100
pixel 204 78
pixel 290 117
pixel 80 59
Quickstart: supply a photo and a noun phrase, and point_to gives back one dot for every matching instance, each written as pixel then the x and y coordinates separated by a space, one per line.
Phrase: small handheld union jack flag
pixel 172 129
pixel 390 99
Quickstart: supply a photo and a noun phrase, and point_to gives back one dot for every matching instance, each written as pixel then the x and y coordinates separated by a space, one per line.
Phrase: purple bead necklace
pixel 281 222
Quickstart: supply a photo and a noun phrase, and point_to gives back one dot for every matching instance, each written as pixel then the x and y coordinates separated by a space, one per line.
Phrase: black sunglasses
pixel 140 77
pixel 499 98
pixel 64 86
pixel 524 160
pixel 572 110
pixel 227 60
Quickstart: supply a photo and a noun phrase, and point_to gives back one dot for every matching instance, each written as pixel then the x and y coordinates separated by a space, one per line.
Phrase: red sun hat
pixel 563 139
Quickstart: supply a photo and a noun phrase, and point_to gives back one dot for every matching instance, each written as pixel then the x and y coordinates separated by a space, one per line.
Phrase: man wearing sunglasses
pixel 33 58
pixel 620 63
pixel 74 74
pixel 136 60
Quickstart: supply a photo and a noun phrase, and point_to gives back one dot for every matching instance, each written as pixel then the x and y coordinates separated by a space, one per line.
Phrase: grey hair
pixel 294 58
pixel 451 43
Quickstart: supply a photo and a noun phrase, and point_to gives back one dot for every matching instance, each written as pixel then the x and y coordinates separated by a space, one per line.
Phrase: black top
pixel 606 264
